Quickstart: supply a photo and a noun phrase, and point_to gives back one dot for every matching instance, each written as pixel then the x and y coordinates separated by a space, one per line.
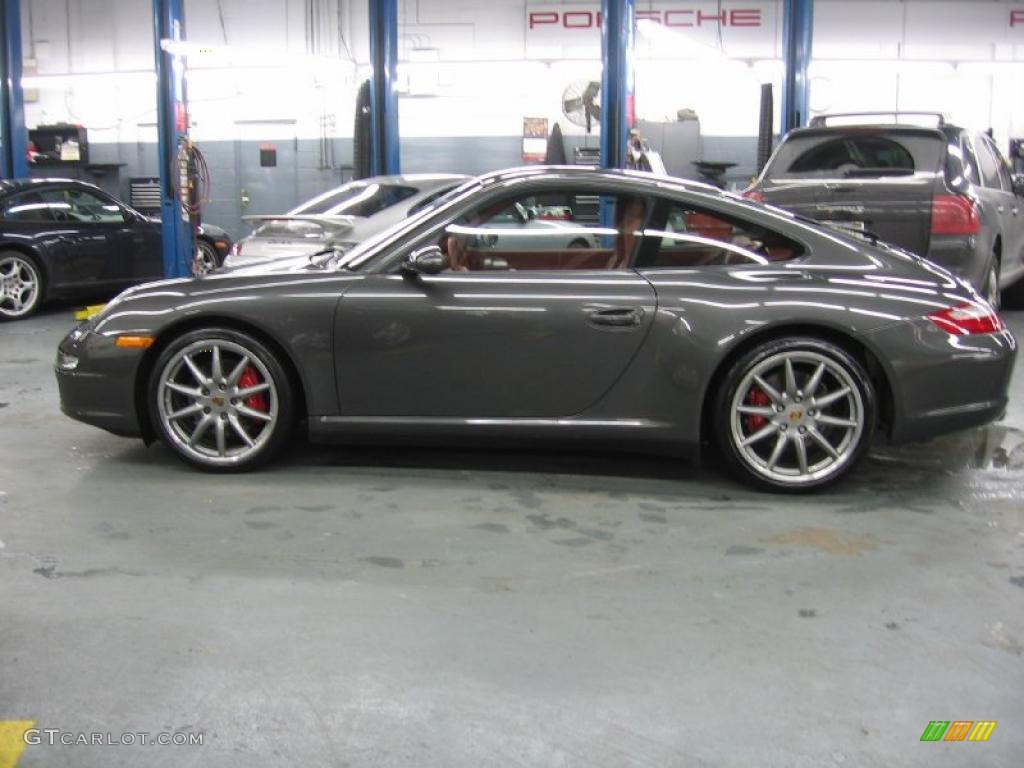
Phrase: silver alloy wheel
pixel 797 417
pixel 217 401
pixel 19 286
pixel 992 286
pixel 205 258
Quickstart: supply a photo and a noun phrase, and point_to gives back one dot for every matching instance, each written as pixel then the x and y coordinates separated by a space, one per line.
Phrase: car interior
pixel 666 235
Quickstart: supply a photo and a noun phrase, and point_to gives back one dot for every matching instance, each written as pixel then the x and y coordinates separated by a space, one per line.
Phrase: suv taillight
pixel 954 215
pixel 967 319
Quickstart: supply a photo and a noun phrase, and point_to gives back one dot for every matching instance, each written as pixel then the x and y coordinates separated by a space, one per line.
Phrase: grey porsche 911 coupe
pixel 692 318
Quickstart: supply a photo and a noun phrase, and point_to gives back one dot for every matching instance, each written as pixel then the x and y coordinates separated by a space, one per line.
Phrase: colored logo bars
pixel 958 730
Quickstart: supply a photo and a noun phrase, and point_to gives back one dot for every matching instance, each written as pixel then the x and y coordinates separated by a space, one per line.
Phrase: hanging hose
pixel 192 188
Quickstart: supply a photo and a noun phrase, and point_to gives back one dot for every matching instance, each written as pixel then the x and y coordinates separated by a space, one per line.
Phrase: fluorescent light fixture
pixel 64 82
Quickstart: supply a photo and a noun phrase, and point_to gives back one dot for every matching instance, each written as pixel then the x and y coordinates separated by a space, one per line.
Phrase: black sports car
pixel 691 317
pixel 61 238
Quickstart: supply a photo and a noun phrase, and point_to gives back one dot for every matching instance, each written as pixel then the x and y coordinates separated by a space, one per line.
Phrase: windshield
pixel 357 198
pixel 359 256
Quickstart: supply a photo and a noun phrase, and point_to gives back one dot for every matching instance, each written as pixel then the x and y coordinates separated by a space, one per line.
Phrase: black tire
pixel 743 409
pixel 22 285
pixel 207 258
pixel 991 288
pixel 266 416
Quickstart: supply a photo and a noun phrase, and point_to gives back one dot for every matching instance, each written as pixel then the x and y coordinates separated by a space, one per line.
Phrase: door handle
pixel 618 317
pixel 244 199
pixel 1000 208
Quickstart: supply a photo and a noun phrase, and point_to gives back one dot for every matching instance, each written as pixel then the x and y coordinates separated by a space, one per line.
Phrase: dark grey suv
pixel 942 192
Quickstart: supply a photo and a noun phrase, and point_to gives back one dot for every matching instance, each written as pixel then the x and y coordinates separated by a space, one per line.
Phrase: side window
pixel 1002 168
pixel 25 207
pixel 989 169
pixel 555 230
pixel 694 237
pixel 81 206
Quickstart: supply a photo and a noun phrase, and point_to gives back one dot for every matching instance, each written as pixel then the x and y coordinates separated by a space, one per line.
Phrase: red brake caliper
pixel 756 397
pixel 251 378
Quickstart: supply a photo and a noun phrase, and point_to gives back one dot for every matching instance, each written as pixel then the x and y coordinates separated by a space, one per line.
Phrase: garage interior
pixel 402 605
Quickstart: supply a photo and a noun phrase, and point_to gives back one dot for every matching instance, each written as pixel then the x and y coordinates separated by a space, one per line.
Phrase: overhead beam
pixel 172 127
pixel 13 137
pixel 384 153
pixel 617 42
pixel 797 27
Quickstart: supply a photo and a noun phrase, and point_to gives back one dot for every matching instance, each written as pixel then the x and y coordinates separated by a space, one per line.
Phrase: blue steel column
pixel 13 138
pixel 797 23
pixel 172 126
pixel 617 39
pixel 383 96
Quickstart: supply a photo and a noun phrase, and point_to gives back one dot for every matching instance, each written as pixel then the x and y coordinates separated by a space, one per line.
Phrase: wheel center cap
pixel 217 401
pixel 795 416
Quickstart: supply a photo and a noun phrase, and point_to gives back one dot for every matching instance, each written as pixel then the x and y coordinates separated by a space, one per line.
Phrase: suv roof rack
pixel 821 121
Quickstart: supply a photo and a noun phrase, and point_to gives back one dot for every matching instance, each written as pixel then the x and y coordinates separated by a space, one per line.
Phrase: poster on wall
pixel 535 139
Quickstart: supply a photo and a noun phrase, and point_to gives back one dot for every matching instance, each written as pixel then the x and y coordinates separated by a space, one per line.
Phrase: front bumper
pixel 943 383
pixel 100 390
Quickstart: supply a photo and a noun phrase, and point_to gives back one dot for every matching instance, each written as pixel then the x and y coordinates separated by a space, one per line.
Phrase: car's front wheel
pixel 21 286
pixel 206 259
pixel 794 414
pixel 221 400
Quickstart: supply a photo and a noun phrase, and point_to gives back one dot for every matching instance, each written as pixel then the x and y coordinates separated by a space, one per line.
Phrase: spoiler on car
pixel 331 222
pixel 821 121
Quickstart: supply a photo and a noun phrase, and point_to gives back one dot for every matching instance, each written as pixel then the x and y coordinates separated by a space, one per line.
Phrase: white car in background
pixel 340 218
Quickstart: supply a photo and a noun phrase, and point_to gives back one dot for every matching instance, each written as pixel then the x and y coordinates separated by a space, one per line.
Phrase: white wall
pixel 479 68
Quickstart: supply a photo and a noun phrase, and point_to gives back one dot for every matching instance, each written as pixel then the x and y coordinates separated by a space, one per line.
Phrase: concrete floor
pixel 422 608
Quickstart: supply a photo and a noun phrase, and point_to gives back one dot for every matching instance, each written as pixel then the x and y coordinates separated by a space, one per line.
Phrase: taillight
pixel 753 194
pixel 967 319
pixel 954 215
pixel 236 250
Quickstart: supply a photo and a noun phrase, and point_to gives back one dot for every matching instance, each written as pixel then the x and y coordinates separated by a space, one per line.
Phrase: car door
pixel 542 333
pixel 1001 207
pixel 1013 216
pixel 94 247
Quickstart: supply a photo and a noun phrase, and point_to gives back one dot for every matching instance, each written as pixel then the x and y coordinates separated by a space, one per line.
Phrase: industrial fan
pixel 580 103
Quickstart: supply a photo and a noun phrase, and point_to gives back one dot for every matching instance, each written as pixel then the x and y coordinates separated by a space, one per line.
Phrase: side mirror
pixel 429 260
pixel 1018 184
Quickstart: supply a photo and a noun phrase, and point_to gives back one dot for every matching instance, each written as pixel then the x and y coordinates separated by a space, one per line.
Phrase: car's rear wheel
pixel 992 292
pixel 21 286
pixel 221 400
pixel 207 258
pixel 794 414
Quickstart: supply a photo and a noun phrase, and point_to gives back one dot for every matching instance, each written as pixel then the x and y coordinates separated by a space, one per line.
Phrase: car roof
pixel 10 186
pixel 838 130
pixel 593 173
pixel 416 178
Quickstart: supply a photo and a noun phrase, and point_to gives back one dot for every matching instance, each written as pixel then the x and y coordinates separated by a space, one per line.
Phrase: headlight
pixel 66 362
